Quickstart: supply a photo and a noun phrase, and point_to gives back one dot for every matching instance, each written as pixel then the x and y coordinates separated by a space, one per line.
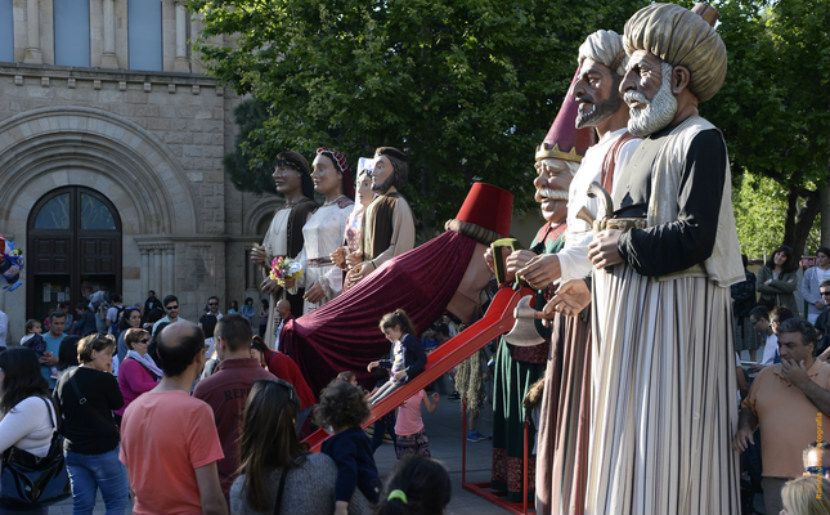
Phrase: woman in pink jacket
pixel 138 373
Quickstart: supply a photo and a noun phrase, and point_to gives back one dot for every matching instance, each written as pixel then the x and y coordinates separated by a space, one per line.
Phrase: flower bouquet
pixel 284 268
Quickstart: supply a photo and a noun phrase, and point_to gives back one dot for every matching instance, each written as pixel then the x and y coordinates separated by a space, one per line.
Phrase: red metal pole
pixel 463 442
pixel 524 466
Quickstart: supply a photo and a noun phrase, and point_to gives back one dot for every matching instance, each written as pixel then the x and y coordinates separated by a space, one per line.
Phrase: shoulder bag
pixel 29 481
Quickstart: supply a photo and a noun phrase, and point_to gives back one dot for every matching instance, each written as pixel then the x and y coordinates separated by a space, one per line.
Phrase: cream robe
pixel 663 369
pixel 322 234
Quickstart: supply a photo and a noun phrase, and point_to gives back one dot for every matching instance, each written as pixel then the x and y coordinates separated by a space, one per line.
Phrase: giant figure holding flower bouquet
pixel 285 234
pixel 444 275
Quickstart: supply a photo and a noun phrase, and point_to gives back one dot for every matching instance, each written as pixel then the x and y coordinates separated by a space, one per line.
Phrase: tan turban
pixel 680 38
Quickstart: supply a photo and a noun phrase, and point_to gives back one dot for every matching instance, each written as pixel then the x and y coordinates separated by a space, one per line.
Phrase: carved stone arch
pixel 264 208
pixel 118 157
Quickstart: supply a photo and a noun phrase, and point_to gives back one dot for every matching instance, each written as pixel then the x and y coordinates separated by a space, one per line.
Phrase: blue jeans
pixel 89 472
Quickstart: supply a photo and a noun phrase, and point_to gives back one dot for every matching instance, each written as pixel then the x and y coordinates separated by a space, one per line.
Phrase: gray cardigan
pixel 309 489
pixel 778 292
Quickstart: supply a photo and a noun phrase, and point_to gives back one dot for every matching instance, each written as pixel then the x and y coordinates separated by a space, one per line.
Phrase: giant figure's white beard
pixel 659 111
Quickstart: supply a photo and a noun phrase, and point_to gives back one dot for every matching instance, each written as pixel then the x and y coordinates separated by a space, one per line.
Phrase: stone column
pixel 159 283
pixel 145 271
pixel 108 58
pixel 170 268
pixel 182 61
pixel 32 55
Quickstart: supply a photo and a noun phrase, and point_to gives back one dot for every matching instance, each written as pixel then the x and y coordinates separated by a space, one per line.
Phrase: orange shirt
pixel 165 436
pixel 787 418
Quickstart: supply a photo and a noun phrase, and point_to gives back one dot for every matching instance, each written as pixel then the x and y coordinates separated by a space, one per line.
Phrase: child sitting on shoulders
pixel 341 411
pixel 408 356
pixel 33 327
pixel 409 427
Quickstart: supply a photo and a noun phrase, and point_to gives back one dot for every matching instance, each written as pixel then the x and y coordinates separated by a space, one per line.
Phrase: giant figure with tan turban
pixel 663 372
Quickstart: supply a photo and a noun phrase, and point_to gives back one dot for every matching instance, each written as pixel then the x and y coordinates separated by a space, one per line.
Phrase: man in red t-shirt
pixel 169 441
pixel 227 389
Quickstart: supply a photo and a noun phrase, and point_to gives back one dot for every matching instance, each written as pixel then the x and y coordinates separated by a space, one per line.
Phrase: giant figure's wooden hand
pixel 540 271
pixel 571 298
pixel 338 257
pixel 604 250
pixel 269 286
pixel 258 255
pixel 315 293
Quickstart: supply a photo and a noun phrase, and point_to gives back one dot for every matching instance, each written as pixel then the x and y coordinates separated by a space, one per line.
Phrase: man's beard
pixel 659 111
pixel 385 185
pixel 600 111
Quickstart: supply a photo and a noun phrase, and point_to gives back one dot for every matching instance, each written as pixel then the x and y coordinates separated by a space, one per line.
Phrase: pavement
pixel 444 430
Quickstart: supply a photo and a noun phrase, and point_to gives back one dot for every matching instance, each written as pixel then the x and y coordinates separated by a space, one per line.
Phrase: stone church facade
pixel 111 146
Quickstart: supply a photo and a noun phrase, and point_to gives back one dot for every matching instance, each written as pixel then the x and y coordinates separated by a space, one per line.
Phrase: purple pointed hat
pixel 564 140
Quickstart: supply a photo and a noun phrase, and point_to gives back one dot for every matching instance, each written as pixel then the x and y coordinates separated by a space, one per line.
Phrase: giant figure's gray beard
pixel 659 111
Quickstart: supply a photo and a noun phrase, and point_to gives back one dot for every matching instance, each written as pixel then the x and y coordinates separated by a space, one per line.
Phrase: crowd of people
pixel 233 441
pixel 781 344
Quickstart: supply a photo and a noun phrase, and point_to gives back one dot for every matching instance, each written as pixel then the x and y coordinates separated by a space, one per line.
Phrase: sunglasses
pixel 213 303
pixel 817 471
pixel 289 389
pixel 171 308
pixel 825 294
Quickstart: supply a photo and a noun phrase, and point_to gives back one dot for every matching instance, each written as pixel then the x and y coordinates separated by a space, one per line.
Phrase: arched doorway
pixel 74 249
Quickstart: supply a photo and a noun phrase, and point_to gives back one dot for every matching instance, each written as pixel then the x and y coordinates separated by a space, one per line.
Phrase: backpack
pixel 101 310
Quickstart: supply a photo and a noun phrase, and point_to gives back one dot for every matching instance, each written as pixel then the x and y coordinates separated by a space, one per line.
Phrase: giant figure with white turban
pixel 663 371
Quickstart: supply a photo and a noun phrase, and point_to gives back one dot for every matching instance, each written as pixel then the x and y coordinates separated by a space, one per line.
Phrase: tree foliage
pixel 773 108
pixel 760 205
pixel 467 87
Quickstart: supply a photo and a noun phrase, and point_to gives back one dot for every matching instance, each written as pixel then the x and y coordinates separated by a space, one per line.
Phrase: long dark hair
pixel 791 263
pixel 399 319
pixel 420 486
pixel 269 438
pixel 124 321
pixel 21 377
pixel 68 352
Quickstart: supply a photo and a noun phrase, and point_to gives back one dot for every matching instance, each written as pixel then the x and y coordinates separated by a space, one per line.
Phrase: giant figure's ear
pixel 680 78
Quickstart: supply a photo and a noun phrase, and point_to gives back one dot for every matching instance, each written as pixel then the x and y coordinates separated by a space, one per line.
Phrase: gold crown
pixel 556 153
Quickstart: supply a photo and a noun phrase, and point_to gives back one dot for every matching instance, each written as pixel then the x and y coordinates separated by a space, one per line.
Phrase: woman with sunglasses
pixel 139 372
pixel 278 473
pixel 86 397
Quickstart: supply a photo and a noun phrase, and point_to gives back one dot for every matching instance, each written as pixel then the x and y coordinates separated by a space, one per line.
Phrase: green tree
pixel 760 205
pixel 773 107
pixel 467 87
pixel 248 170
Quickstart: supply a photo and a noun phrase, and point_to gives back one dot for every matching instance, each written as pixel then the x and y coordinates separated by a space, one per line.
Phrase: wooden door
pixel 74 248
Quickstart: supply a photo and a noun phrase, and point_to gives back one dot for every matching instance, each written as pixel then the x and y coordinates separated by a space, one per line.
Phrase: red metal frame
pixel 482 489
pixel 497 321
